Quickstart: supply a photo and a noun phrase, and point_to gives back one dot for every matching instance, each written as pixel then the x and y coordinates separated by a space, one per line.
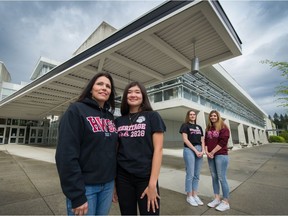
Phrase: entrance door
pixel 36 135
pixel 17 135
pixel 2 134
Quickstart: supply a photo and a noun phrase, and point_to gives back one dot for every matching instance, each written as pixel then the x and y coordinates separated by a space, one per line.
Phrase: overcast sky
pixel 55 29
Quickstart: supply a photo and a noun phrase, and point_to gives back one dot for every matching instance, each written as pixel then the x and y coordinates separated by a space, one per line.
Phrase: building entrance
pixel 2 133
pixel 17 134
pixel 36 135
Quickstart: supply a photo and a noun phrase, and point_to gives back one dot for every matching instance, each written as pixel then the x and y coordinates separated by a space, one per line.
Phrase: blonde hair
pixel 218 125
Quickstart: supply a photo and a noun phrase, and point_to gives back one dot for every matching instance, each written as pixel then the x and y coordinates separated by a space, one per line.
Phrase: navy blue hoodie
pixel 86 150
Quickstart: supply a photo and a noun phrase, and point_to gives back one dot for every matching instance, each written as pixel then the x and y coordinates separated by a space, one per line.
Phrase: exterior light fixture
pixel 129 80
pixel 194 62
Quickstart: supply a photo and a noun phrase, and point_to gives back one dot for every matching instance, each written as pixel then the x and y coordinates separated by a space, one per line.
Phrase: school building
pixel 174 50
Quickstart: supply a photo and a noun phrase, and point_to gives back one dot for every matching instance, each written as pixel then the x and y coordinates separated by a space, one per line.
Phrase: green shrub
pixel 284 134
pixel 278 139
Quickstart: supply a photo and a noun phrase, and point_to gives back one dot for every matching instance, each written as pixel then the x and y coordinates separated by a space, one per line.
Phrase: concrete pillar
pixel 230 142
pixel 263 137
pixel 241 135
pixel 256 133
pixel 201 120
pixel 250 136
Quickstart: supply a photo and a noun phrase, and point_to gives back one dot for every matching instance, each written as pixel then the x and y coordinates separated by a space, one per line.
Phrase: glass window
pixel 151 97
pixel 208 102
pixel 202 101
pixel 14 132
pixel 158 86
pixel 171 93
pixel 214 106
pixel 33 132
pixel 187 93
pixel 168 94
pixel 13 140
pixel 170 82
pixel 15 121
pixel 158 97
pixel 22 132
pixel 23 122
pixel 40 133
pixel 2 131
pixel 21 140
pixel 2 121
pixel 194 97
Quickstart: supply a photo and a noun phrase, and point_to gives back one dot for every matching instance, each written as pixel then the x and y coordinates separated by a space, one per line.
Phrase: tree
pixel 282 89
pixel 282 122
pixel 276 119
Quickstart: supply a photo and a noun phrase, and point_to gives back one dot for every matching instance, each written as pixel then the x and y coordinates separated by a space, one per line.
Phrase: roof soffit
pixel 149 53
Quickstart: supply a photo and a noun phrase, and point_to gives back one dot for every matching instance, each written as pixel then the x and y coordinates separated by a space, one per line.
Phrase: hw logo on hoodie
pixel 101 125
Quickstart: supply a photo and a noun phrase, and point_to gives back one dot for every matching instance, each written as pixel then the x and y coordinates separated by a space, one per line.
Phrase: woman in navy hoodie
pixel 86 150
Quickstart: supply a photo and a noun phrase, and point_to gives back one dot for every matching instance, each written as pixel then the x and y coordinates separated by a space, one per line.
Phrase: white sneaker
pixel 198 200
pixel 214 203
pixel 223 206
pixel 191 201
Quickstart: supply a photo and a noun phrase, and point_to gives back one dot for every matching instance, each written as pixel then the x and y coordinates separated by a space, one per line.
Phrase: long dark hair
pixel 145 106
pixel 86 93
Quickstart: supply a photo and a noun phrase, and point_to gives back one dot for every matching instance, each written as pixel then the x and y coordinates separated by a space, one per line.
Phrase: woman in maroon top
pixel 216 142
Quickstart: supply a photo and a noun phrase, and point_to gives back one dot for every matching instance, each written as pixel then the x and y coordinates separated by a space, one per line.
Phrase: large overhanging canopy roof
pixel 155 47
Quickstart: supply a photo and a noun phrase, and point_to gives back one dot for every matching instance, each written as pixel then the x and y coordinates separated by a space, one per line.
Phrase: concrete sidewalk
pixel 257 176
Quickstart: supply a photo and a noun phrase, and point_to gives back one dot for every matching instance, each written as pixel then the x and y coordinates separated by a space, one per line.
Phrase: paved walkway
pixel 257 176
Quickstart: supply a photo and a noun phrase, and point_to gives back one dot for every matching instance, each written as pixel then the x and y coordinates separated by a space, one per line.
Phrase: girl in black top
pixel 192 135
pixel 141 134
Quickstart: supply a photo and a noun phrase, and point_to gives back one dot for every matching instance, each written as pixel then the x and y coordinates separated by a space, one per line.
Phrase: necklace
pixel 133 117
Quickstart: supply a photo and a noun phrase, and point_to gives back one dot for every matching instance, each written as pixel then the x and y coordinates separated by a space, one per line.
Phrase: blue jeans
pixel 218 168
pixel 99 199
pixel 193 167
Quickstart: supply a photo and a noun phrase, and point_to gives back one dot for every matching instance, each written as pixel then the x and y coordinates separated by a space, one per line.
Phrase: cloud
pixel 262 27
pixel 55 29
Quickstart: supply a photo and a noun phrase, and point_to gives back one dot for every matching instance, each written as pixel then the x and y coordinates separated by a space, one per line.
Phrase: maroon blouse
pixel 214 138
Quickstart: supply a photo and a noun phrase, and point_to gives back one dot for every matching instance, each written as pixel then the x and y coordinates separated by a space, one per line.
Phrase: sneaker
pixel 191 201
pixel 198 200
pixel 223 206
pixel 214 203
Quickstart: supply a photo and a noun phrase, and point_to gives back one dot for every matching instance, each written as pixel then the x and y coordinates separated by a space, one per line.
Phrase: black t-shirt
pixel 193 131
pixel 135 149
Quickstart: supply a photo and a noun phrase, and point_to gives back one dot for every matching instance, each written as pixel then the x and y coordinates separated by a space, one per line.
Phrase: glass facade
pixel 23 131
pixel 199 89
